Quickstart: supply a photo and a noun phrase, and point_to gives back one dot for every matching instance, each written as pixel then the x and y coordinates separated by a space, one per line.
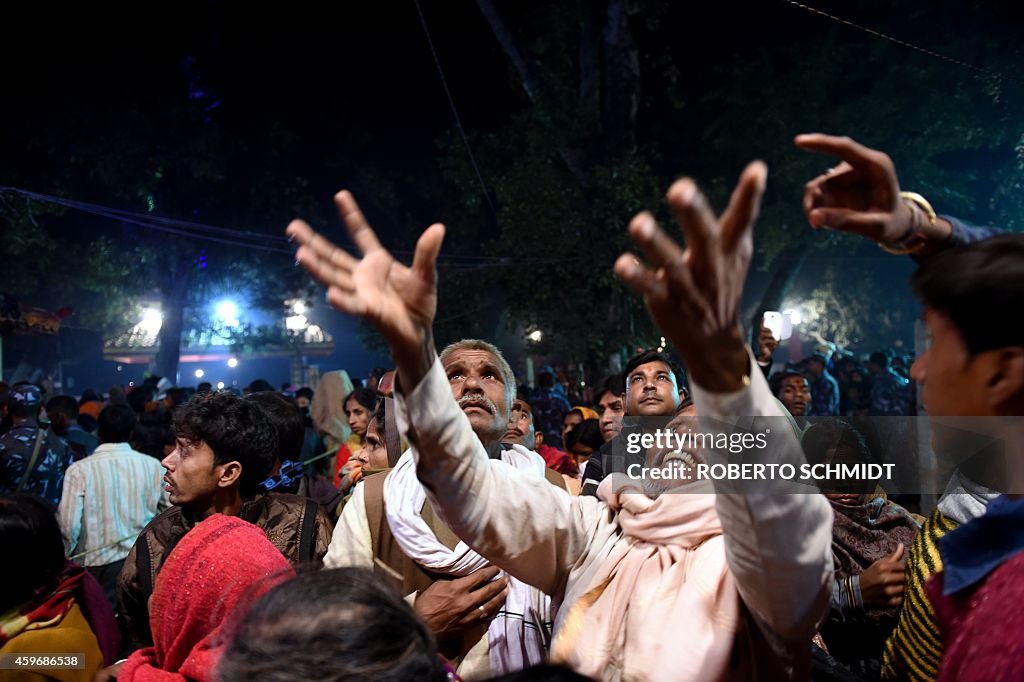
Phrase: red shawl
pixel 220 566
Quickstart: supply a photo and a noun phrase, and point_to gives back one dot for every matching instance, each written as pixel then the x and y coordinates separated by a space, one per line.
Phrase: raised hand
pixel 693 295
pixel 861 195
pixel 398 300
pixel 767 342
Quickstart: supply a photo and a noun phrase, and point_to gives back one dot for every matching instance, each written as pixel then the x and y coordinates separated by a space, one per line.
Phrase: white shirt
pixel 108 499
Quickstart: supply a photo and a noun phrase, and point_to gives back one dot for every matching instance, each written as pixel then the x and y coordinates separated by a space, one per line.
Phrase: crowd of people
pixel 442 520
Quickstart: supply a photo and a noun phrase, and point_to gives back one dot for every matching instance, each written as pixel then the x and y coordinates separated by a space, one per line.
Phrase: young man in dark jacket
pixel 224 448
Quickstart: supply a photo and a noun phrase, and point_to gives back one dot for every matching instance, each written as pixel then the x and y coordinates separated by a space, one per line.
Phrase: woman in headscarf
pixel 869 537
pixel 574 417
pixel 217 570
pixel 327 409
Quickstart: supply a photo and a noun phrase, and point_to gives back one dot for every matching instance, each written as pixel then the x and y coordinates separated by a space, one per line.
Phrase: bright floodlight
pixel 200 373
pixel 232 362
pixel 152 320
pixel 535 336
pixel 299 308
pixel 220 385
pixel 227 312
pixel 296 323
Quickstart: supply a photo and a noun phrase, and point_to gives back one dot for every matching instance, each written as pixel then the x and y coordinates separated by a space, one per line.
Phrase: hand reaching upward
pixel 398 300
pixel 693 295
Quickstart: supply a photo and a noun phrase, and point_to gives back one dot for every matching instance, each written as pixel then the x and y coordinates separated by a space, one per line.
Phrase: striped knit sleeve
pixel 914 648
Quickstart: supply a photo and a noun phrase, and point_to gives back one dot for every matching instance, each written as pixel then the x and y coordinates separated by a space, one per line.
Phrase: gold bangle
pixel 922 203
pixel 919 241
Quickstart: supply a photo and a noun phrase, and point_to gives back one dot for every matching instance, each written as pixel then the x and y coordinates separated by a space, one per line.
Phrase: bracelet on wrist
pixel 914 240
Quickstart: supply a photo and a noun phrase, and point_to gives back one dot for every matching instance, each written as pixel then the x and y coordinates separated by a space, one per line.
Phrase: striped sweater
pixel 914 649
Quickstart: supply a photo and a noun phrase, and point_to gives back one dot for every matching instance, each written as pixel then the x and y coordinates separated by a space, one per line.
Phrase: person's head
pixel 175 397
pixel 116 394
pixel 116 424
pixel 142 398
pixel 837 442
pixel 878 362
pixel 652 385
pixel 815 365
pixel 583 440
pixel 224 446
pixel 153 435
pixel 286 421
pixel 483 384
pixel 793 390
pixel 611 405
pixel 33 545
pixel 546 377
pixel 333 625
pixel 359 405
pixel 24 401
pixel 374 451
pixel 522 429
pixel 63 412
pixel 570 420
pixel 204 387
pixel 303 397
pixel 88 396
pixel 210 578
pixel 975 363
pixel 258 386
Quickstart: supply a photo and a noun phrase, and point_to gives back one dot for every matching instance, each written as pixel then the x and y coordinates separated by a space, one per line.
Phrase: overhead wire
pixel 903 43
pixel 263 241
pixel 455 111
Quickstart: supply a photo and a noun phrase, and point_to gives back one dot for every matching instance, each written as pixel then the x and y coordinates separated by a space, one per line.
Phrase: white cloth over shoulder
pixel 518 635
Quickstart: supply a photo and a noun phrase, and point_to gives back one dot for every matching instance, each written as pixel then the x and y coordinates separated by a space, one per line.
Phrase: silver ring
pixel 483 611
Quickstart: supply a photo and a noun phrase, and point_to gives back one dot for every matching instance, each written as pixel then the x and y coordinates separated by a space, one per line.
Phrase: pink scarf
pixel 663 605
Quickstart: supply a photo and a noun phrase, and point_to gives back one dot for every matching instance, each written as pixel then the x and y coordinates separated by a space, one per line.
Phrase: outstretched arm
pixel 861 195
pixel 777 543
pixel 525 525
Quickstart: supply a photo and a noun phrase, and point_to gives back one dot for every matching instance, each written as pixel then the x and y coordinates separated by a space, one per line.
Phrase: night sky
pixel 356 81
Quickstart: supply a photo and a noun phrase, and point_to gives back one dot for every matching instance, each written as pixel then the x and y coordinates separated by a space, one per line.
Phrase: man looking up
pixel 484 627
pixel 694 586
pixel 652 385
pixel 224 448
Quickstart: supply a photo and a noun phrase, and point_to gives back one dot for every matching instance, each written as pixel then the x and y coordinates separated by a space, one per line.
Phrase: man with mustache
pixel 684 587
pixel 485 623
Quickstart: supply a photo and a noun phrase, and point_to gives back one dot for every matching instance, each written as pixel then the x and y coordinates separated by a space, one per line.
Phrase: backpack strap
pixel 40 437
pixel 306 548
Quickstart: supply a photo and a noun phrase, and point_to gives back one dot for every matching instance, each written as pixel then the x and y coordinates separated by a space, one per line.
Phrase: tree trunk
pixel 621 77
pixel 786 269
pixel 172 307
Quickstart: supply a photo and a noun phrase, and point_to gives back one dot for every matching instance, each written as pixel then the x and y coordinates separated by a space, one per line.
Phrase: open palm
pixel 399 300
